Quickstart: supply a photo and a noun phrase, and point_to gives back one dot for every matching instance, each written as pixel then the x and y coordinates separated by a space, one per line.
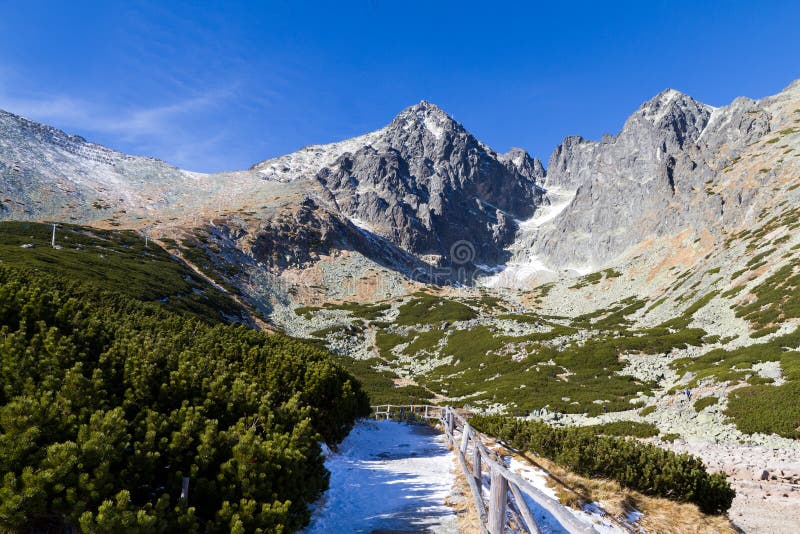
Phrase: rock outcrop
pixel 655 178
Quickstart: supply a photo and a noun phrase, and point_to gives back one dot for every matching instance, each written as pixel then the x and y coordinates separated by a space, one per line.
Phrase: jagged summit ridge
pixel 307 161
pixel 660 175
pixel 425 182
pixel 422 182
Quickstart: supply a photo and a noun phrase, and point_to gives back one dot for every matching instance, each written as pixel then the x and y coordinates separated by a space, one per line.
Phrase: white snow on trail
pixel 388 476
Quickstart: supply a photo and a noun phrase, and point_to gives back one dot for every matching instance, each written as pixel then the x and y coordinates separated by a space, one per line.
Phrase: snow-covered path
pixel 388 476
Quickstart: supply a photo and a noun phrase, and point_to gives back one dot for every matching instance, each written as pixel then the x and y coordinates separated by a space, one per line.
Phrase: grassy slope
pixel 481 365
pixel 116 261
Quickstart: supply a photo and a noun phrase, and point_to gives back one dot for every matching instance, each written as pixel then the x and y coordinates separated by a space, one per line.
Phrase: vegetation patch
pixel 614 317
pixel 625 428
pixel 107 403
pixel 777 299
pixel 381 384
pixel 521 318
pixel 594 278
pixel 767 409
pixel 363 311
pixel 424 342
pixel 386 341
pixel 759 407
pixel 116 261
pixel 429 309
pixel 582 378
pixel 705 402
pixel 647 410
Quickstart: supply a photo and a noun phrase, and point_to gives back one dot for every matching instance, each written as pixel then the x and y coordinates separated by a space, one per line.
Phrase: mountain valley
pixel 650 278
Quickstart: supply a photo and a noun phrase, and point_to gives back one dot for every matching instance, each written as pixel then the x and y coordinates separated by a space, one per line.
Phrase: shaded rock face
pixel 737 125
pixel 648 180
pixel 427 183
pixel 296 238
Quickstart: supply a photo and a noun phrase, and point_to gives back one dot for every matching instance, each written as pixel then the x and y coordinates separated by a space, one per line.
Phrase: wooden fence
pixel 507 491
pixel 408 412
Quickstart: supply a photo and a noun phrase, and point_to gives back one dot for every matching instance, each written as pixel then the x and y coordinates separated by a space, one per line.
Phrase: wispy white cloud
pixel 165 131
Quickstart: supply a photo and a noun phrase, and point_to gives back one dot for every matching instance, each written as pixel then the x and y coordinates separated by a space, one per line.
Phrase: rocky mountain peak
pixel 793 87
pixel 525 164
pixel 673 113
pixel 425 183
pixel 658 106
pixel 426 117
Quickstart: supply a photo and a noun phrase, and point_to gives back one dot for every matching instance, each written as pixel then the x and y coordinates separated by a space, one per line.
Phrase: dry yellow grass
pixel 661 516
pixel 462 503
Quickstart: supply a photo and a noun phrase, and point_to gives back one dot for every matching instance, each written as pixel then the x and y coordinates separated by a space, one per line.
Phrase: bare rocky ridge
pixel 422 183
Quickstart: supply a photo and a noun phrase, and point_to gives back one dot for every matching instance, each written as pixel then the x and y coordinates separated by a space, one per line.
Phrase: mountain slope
pixel 388 206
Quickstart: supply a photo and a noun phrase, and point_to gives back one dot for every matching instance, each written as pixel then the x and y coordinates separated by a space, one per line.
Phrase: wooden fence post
pixel 524 510
pixel 476 465
pixel 465 435
pixel 498 500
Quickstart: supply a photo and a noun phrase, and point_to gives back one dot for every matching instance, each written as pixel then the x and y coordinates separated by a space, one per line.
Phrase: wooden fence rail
pixel 407 412
pixel 507 490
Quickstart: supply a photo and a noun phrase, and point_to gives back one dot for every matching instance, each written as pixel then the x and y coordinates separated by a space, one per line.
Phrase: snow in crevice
pixel 361 224
pixel 434 126
pixel 657 109
pixel 559 200
pixel 524 264
pixel 388 476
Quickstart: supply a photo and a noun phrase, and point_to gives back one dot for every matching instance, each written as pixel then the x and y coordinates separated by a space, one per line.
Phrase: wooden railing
pixel 407 412
pixel 507 490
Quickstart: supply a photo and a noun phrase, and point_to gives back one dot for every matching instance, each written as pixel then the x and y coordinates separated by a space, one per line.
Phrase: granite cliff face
pixel 662 174
pixel 624 183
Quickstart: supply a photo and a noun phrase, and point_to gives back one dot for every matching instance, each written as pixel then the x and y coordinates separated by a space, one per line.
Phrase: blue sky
pixel 211 87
